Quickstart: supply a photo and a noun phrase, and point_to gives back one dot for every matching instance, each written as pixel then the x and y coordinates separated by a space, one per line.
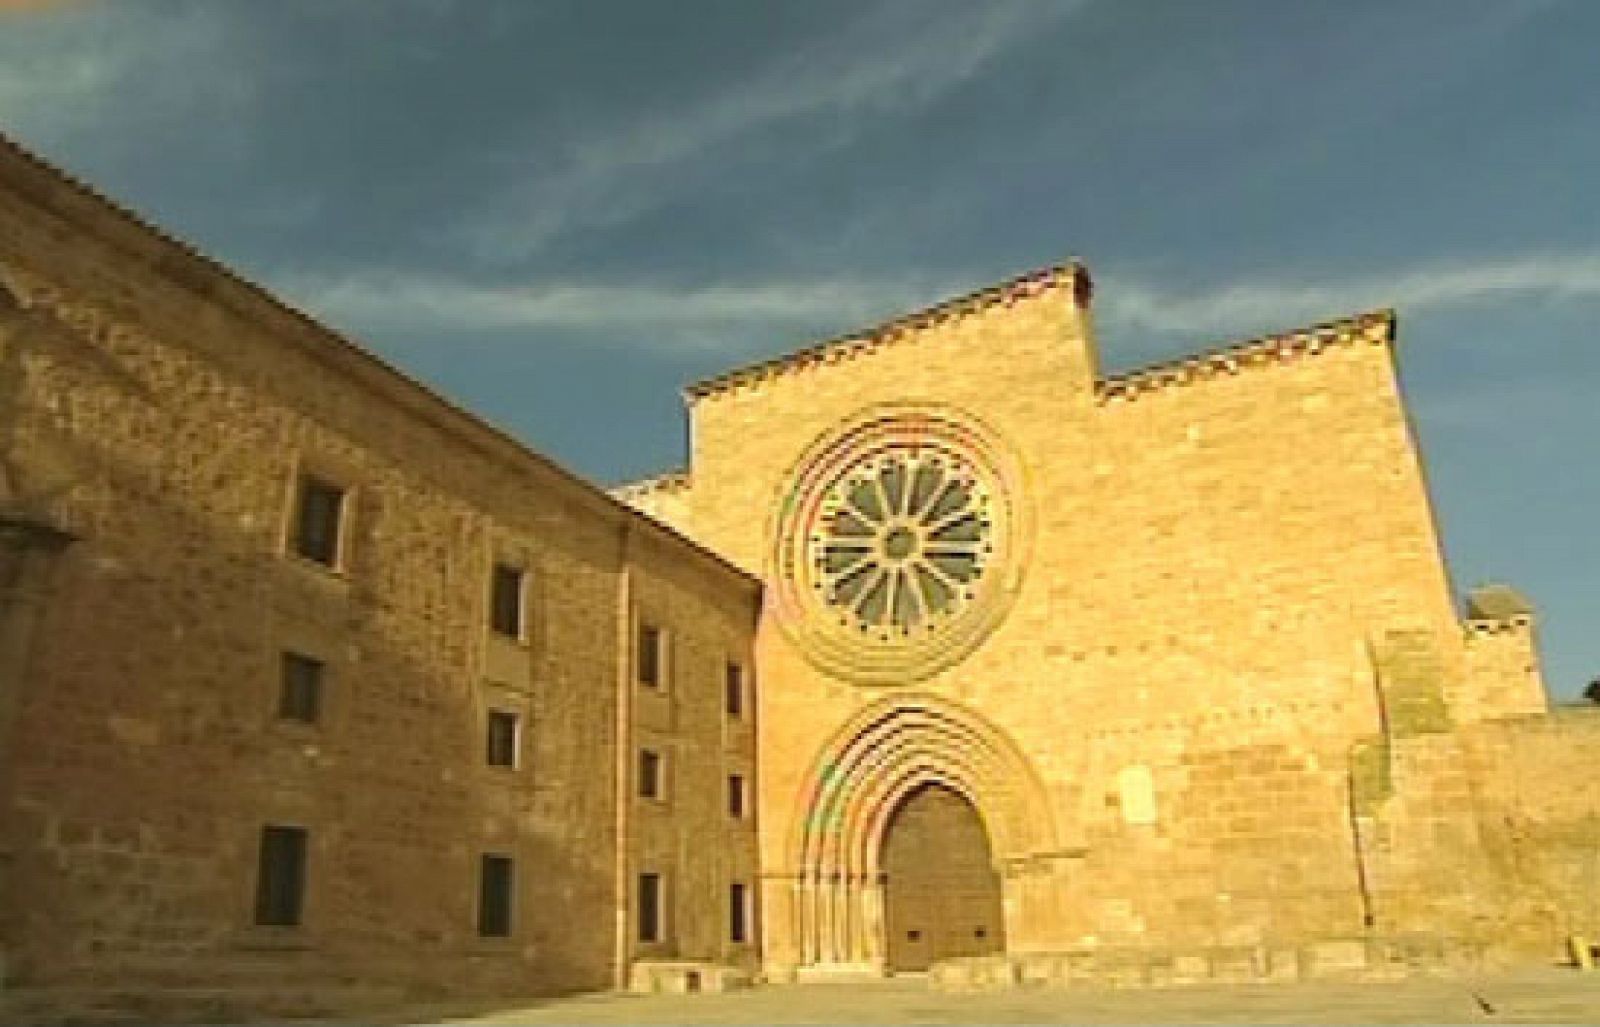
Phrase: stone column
pixel 780 920
pixel 873 922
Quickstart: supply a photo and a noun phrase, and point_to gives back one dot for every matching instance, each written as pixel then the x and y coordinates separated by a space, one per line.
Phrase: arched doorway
pixel 940 886
pixel 898 762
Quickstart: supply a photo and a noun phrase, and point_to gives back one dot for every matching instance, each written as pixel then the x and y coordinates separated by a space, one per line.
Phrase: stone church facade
pixel 1181 640
pixel 946 650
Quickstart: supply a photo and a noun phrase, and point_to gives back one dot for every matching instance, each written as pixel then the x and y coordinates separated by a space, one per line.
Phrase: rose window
pixel 898 544
pixel 901 541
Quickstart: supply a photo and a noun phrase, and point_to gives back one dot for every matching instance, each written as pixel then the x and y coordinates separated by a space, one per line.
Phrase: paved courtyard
pixel 1538 996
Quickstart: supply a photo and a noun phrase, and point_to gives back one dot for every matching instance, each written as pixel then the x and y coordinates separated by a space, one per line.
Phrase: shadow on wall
pixel 149 754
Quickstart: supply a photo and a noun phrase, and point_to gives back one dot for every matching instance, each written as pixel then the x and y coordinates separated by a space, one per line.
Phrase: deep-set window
pixel 281 876
pixel 649 659
pixel 736 795
pixel 738 912
pixel 651 778
pixel 505 601
pixel 300 688
pixel 319 508
pixel 733 702
pixel 649 925
pixel 495 884
pixel 501 741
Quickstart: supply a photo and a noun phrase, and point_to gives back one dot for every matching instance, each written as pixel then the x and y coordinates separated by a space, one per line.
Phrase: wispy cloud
pixel 1134 303
pixel 83 71
pixel 56 74
pixel 710 316
pixel 896 60
pixel 23 6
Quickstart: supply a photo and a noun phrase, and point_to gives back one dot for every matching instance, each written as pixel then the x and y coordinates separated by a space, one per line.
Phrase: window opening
pixel 321 508
pixel 281 876
pixel 300 688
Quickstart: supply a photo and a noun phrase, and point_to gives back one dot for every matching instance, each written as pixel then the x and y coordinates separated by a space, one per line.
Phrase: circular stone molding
pixel 898 544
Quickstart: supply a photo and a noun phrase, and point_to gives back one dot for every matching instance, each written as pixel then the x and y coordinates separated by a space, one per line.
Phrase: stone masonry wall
pixel 689 835
pixel 1491 834
pixel 1503 676
pixel 162 412
pixel 1190 655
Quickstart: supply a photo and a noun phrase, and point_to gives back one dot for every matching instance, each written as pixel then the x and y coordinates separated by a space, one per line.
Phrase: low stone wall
pixel 1386 958
pixel 225 1002
pixel 647 977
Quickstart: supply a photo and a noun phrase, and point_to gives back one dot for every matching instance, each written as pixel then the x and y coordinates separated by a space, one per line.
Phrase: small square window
pixel 650 775
pixel 300 688
pixel 503 727
pixel 505 603
pixel 281 876
pixel 736 795
pixel 650 926
pixel 734 702
pixel 319 510
pixel 495 884
pixel 738 913
pixel 649 661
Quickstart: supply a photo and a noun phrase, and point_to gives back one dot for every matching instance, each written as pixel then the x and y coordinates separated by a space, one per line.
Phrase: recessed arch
pixel 884 753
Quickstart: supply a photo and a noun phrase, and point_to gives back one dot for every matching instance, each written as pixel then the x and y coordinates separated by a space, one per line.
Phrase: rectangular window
pixel 736 796
pixel 501 743
pixel 734 703
pixel 494 896
pixel 316 525
pixel 650 655
pixel 281 876
pixel 505 601
pixel 300 688
pixel 650 907
pixel 650 776
pixel 738 912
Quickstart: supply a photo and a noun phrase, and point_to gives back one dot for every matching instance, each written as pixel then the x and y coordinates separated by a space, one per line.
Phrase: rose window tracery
pixel 901 542
pixel 897 544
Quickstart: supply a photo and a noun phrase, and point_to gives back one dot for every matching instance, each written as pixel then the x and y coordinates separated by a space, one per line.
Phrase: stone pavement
pixel 1529 996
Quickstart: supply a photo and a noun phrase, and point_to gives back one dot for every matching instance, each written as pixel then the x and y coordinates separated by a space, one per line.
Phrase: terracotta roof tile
pixel 667 481
pixel 1374 326
pixel 1032 283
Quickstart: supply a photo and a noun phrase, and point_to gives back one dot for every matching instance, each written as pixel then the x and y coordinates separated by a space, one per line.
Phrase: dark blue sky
pixel 560 212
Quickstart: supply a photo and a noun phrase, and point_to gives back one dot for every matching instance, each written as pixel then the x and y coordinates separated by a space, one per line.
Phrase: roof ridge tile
pixel 1375 326
pixel 1029 283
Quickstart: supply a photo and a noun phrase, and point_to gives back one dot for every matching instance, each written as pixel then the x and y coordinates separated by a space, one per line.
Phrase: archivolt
pixel 897 745
pixel 880 756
